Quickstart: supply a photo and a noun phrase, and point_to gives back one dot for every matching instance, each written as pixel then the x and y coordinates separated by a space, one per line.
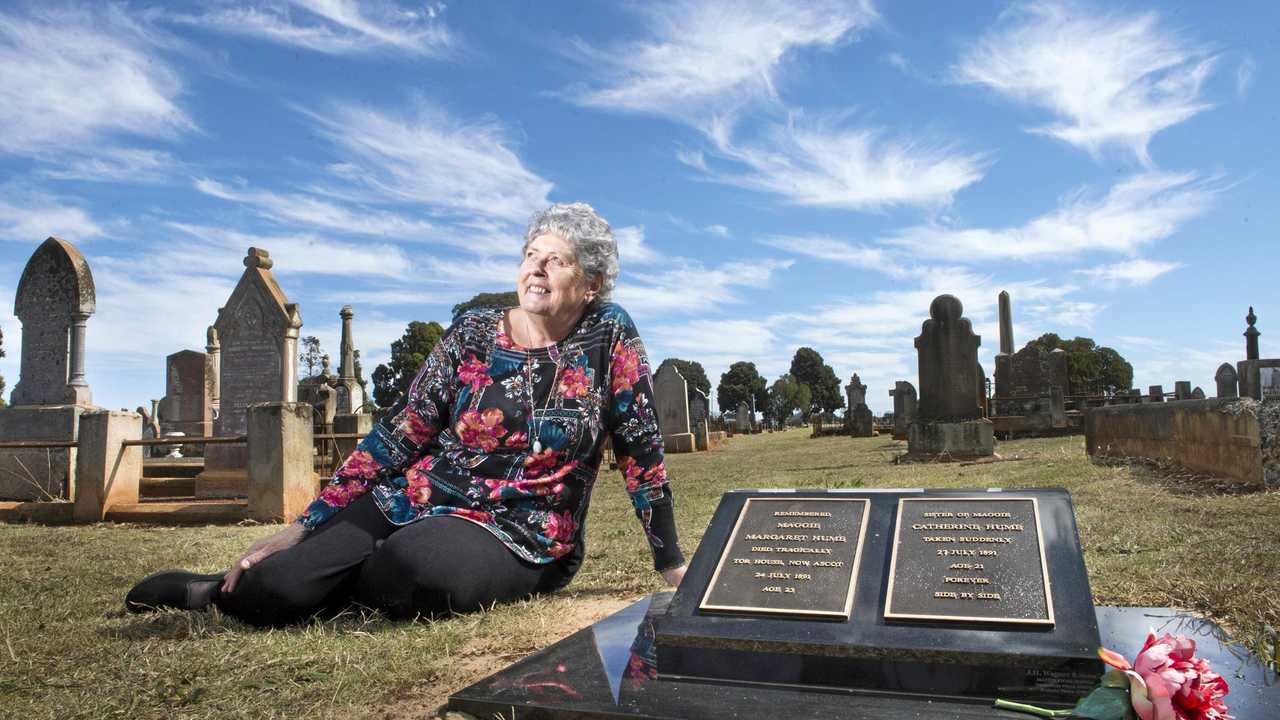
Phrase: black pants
pixel 435 565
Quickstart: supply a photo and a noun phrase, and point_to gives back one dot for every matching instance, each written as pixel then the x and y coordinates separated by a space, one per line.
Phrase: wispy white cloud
pixel 632 248
pixel 689 286
pixel 336 27
pixel 29 216
pixel 1114 79
pixel 113 164
pixel 1132 272
pixel 719 230
pixel 739 338
pixel 447 166
pixel 713 64
pixel 830 249
pixel 76 83
pixel 706 60
pixel 1244 76
pixel 826 163
pixel 300 253
pixel 1136 212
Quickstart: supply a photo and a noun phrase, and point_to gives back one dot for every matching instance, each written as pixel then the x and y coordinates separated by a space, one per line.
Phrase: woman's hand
pixel 261 550
pixel 674 575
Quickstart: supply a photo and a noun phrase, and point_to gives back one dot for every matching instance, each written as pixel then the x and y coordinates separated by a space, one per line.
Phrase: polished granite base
pixel 609 671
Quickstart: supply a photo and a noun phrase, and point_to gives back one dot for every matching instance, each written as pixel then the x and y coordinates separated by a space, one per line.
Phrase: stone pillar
pixel 289 356
pixel 1006 324
pixel 347 347
pixel 107 472
pixel 282 481
pixel 1251 336
pixel 213 362
pixel 77 388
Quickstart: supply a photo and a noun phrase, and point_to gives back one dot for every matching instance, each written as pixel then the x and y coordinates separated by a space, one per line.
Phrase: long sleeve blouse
pixel 511 438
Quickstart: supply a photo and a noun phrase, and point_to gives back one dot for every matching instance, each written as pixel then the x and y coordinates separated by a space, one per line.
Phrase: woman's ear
pixel 594 286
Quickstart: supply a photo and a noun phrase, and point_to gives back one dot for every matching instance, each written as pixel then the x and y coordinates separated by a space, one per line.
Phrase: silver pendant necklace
pixel 529 382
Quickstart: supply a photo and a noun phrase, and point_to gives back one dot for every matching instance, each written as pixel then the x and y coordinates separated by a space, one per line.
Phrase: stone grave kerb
pixel 948 363
pixel 55 298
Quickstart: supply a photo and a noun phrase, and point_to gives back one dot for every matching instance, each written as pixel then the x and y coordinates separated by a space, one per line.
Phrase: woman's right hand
pixel 261 550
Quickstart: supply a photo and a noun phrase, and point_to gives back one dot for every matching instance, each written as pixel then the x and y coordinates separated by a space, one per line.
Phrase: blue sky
pixel 779 174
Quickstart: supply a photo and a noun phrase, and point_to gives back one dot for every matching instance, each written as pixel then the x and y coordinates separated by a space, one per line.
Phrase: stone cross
pixel 904 407
pixel 948 362
pixel 1227 381
pixel 54 301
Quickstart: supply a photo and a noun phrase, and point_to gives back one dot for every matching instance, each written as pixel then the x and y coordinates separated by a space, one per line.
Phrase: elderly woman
pixel 474 488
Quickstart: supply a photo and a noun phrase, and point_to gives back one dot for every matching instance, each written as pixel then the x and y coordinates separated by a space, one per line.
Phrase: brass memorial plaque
pixel 791 556
pixel 978 559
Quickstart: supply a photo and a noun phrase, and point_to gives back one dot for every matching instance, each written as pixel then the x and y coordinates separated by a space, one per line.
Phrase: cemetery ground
pixel 67 649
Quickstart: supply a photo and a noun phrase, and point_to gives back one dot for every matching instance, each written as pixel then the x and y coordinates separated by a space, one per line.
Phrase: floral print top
pixel 511 438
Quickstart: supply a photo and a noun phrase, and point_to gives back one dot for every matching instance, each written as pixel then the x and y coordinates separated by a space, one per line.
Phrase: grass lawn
pixel 67 650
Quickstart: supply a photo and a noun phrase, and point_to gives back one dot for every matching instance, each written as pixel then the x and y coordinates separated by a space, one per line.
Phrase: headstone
pixel 258 333
pixel 323 399
pixel 948 363
pixel 671 396
pixel 1155 394
pixel 949 422
pixel 186 407
pixel 938 593
pixel 699 415
pixel 54 301
pixel 1226 379
pixel 904 408
pixel 350 389
pixel 742 419
pixel 1251 336
pixel 855 392
pixel 861 421
pixel 1197 393
pixel 1269 383
pixel 1182 390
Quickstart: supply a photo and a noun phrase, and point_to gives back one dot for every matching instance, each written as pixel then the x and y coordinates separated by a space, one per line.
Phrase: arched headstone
pixel 55 299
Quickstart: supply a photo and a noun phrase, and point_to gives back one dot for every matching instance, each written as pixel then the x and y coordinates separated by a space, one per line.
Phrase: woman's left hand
pixel 674 575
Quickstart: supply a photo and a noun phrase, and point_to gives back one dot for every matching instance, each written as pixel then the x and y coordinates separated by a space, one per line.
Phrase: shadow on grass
pixel 823 467
pixel 1177 480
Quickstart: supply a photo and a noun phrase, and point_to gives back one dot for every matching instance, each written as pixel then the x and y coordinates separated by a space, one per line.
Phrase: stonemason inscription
pixel 971 560
pixel 791 556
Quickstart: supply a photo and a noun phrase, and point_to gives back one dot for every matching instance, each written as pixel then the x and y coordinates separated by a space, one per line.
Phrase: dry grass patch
pixel 68 651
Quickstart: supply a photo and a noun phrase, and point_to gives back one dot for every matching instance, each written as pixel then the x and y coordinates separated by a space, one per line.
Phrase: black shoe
pixel 175 589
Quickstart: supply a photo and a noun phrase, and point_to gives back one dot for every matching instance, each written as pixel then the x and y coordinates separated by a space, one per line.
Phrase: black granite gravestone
pixel 977 594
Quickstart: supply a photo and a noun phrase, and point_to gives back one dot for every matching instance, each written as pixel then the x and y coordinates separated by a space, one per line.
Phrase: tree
pixel 499 299
pixel 311 355
pixel 407 355
pixel 1 376
pixel 694 376
pixel 1091 368
pixel 786 395
pixel 741 382
pixel 808 368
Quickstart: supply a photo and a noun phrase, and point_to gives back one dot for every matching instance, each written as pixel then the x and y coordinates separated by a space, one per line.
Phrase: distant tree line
pixel 1092 369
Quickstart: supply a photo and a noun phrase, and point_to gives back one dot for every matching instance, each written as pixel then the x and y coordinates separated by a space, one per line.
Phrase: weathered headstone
pixel 1197 393
pixel 855 392
pixel 1155 394
pixel 258 333
pixel 904 408
pixel 699 413
pixel 54 301
pixel 1182 390
pixel 742 420
pixel 186 407
pixel 1226 380
pixel 349 388
pixel 949 421
pixel 671 396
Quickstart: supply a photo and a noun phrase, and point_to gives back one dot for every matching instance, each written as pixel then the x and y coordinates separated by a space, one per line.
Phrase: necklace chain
pixel 534 425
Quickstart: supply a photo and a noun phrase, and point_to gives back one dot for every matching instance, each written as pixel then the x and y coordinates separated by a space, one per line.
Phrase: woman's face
pixel 551 283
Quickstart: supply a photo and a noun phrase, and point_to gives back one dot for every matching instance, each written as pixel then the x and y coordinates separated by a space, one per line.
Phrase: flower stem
pixel 1031 709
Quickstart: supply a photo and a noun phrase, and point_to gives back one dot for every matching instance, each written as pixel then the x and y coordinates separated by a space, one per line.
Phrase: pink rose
pixel 1168 682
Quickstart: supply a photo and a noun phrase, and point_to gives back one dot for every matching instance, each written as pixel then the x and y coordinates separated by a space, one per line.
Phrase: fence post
pixel 107 472
pixel 282 480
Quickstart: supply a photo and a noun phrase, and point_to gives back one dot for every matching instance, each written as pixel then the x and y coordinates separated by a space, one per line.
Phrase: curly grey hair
pixel 582 227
